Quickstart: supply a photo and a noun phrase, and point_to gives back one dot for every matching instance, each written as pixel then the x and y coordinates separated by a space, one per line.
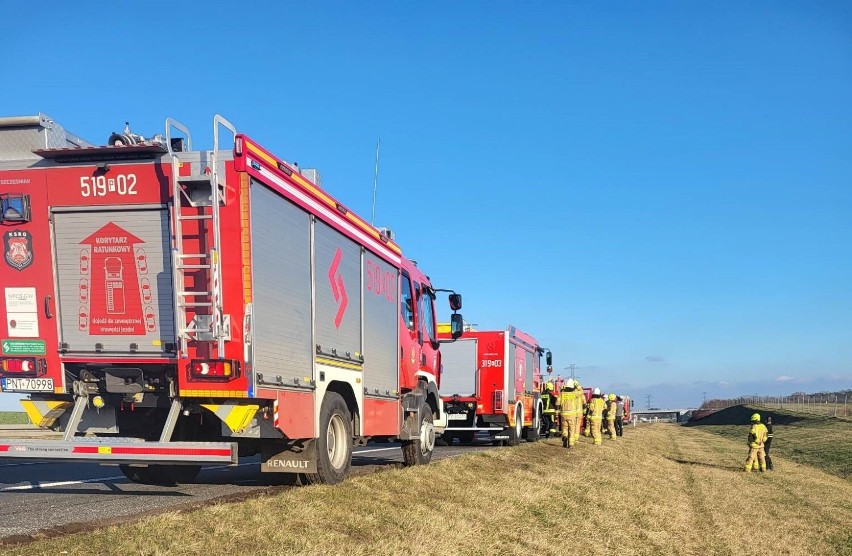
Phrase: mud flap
pixel 294 456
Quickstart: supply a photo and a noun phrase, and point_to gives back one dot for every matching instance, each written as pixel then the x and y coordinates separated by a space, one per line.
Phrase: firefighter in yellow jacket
pixel 756 438
pixel 596 408
pixel 611 408
pixel 566 413
pixel 579 406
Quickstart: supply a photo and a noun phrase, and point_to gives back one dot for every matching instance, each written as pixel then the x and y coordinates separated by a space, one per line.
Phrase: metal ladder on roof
pixel 204 188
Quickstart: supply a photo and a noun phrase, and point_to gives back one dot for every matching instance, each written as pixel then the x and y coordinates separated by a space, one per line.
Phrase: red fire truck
pixel 166 308
pixel 491 381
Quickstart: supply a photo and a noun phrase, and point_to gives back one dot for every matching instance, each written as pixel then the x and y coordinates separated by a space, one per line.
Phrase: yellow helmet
pixel 755 418
pixel 612 397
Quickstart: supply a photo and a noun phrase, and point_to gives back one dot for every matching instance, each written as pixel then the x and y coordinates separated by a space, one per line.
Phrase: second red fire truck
pixel 491 382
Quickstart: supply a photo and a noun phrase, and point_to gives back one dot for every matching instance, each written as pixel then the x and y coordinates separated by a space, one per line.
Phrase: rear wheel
pixel 418 451
pixel 517 431
pixel 334 445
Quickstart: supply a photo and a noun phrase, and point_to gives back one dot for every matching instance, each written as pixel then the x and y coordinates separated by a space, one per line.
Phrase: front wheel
pixel 418 451
pixel 334 445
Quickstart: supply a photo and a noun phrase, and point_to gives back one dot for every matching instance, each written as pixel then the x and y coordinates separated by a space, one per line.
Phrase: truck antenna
pixel 376 180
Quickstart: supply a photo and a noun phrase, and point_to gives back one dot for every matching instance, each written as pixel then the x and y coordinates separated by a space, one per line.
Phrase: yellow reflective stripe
pixel 341 364
pixel 214 393
pixel 44 413
pixel 236 416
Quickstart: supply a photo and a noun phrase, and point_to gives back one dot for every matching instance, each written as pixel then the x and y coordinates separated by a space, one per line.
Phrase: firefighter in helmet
pixel 550 402
pixel 596 409
pixel 568 407
pixel 611 409
pixel 756 439
pixel 579 406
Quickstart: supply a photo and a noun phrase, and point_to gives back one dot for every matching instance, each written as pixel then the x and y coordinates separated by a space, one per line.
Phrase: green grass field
pixel 821 441
pixel 661 489
pixel 13 418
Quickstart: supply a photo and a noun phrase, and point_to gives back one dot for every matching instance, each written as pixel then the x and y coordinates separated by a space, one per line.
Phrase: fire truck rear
pixel 491 381
pixel 166 308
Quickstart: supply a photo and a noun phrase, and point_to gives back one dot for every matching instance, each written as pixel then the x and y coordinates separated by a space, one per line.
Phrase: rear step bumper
pixel 107 450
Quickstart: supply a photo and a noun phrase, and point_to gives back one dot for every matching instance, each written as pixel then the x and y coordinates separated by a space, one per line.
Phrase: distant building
pixel 662 415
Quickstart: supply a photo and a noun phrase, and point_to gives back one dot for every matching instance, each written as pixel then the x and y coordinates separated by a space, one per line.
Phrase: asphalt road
pixel 54 498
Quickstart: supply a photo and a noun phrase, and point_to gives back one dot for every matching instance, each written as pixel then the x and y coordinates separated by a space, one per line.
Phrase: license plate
pixel 28 384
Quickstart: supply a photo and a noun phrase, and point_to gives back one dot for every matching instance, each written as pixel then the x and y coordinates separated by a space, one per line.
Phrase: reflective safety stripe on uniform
pixel 44 413
pixel 236 416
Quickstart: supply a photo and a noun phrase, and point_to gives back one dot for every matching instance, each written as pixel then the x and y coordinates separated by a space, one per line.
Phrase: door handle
pixel 47 312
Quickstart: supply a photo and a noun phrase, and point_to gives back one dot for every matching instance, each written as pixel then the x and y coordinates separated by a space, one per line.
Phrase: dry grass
pixel 13 418
pixel 662 489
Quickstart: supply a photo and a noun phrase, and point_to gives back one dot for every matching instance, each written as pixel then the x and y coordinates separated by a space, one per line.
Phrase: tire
pixel 467 437
pixel 163 475
pixel 334 445
pixel 419 451
pixel 516 433
pixel 531 434
pixel 544 426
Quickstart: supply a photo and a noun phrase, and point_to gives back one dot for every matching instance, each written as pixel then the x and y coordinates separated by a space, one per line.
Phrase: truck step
pixel 122 450
pixel 206 179
pixel 192 255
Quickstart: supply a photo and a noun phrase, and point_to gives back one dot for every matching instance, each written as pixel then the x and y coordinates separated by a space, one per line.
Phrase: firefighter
pixel 579 406
pixel 566 413
pixel 619 416
pixel 768 443
pixel 595 411
pixel 756 439
pixel 550 402
pixel 587 427
pixel 611 412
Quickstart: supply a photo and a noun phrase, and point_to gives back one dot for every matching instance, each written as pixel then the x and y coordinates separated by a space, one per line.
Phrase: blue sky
pixel 658 191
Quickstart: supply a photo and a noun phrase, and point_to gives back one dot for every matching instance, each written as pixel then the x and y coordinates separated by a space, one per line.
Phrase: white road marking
pixel 60 483
pixel 358 453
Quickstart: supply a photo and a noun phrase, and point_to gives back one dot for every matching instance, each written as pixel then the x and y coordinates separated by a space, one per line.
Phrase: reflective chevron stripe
pixel 237 416
pixel 43 413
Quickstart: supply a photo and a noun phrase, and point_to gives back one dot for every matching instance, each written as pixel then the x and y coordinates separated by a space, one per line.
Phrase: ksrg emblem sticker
pixel 18 249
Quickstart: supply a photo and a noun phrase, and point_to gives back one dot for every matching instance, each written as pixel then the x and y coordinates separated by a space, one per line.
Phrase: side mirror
pixel 455 301
pixel 456 325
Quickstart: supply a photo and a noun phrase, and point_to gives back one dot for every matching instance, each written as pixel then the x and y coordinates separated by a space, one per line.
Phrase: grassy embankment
pixel 820 441
pixel 13 418
pixel 662 489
